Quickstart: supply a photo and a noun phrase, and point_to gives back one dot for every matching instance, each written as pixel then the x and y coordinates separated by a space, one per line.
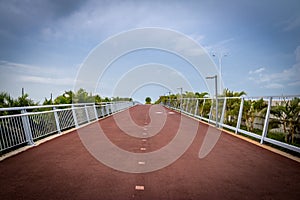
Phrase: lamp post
pixel 216 93
pixel 169 98
pixel 180 98
pixel 220 55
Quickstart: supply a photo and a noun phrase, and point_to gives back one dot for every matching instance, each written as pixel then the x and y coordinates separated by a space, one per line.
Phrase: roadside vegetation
pixel 68 97
pixel 284 120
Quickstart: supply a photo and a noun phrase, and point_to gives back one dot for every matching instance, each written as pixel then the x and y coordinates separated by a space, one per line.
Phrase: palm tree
pixel 5 100
pixel 82 96
pixel 228 93
pixel 24 100
pixel 289 115
pixel 232 106
pixel 65 98
pixel 202 108
pixel 253 110
pixel 48 101
pixel 201 95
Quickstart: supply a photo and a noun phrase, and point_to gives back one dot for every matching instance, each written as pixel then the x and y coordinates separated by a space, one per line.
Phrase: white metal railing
pixel 20 126
pixel 270 119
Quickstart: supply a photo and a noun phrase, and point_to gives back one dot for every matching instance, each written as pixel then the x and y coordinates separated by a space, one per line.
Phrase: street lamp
pixel 169 98
pixel 180 98
pixel 220 55
pixel 216 91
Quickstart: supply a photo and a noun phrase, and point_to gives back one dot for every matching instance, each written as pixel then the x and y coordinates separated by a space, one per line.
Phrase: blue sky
pixel 43 43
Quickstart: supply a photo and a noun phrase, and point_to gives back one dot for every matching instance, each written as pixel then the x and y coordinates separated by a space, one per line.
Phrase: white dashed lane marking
pixel 139 187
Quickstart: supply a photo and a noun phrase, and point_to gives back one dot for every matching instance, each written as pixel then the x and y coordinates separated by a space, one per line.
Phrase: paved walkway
pixel 63 169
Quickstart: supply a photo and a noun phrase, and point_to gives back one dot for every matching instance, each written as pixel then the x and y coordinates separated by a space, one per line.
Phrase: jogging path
pixel 63 168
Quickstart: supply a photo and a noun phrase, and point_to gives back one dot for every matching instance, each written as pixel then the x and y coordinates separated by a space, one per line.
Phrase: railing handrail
pixel 56 105
pixel 31 124
pixel 244 121
pixel 42 106
pixel 244 96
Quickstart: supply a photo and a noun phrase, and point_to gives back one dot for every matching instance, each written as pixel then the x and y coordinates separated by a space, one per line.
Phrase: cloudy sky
pixel 43 43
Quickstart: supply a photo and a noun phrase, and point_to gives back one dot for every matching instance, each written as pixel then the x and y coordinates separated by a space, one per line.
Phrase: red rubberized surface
pixel 63 169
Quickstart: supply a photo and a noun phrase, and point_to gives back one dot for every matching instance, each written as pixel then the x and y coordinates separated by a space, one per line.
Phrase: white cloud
pixel 47 80
pixel 21 68
pixel 286 78
pixel 274 86
pixel 257 71
pixel 97 20
pixel 38 81
pixel 291 24
pixel 35 74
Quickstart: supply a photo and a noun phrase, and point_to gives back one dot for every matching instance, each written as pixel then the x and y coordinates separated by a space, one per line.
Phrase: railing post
pixel 114 107
pixel 223 112
pixel 238 124
pixel 266 124
pixel 210 111
pixel 27 128
pixel 95 110
pixel 187 105
pixel 56 120
pixel 102 111
pixel 191 109
pixel 181 102
pixel 119 106
pixel 181 106
pixel 74 116
pixel 107 109
pixel 110 108
pixel 217 112
pixel 201 113
pixel 196 109
pixel 86 113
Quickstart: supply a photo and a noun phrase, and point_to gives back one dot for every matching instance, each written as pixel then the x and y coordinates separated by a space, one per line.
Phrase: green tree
pixel 289 115
pixel 83 96
pixel 228 93
pixel 232 106
pixel 24 100
pixel 201 95
pixel 106 99
pixel 121 99
pixel 162 99
pixel 253 110
pixel 189 95
pixel 65 98
pixel 48 102
pixel 6 100
pixel 148 100
pixel 98 99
